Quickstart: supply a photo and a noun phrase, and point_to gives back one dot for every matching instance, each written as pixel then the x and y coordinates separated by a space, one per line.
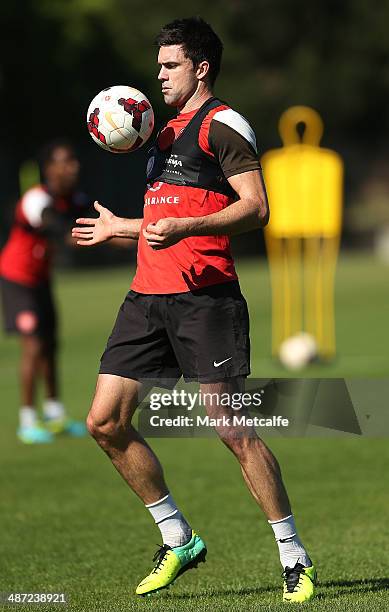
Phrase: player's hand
pixel 95 230
pixel 165 232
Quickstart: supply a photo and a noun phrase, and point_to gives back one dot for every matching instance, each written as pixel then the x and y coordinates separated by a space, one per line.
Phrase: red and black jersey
pixel 187 171
pixel 26 256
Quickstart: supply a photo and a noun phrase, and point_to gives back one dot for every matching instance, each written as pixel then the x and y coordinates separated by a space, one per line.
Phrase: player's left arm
pixel 250 211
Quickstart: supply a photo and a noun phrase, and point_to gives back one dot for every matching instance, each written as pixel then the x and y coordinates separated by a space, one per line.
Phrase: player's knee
pixel 104 430
pixel 32 347
pixel 90 424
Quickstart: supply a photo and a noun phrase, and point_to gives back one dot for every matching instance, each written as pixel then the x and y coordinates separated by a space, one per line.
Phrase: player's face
pixel 177 75
pixel 63 169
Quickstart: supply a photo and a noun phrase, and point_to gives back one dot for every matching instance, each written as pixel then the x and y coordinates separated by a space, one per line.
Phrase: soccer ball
pixel 120 119
pixel 298 351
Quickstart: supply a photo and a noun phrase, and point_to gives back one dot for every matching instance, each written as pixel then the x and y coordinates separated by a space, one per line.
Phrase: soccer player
pixel 185 314
pixel 43 215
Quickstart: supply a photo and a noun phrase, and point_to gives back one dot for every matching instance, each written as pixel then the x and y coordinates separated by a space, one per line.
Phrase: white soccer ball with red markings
pixel 298 351
pixel 120 119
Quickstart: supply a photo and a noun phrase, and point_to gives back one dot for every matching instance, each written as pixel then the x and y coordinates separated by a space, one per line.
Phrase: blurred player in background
pixel 185 314
pixel 43 215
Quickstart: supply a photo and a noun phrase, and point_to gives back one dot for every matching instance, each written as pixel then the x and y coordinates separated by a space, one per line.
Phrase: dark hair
pixel 198 40
pixel 46 153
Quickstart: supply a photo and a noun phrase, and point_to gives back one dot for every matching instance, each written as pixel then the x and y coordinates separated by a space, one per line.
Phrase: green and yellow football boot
pixel 299 583
pixel 171 563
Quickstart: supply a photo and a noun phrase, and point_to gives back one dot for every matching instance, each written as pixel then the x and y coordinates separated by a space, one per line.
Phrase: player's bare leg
pixel 48 367
pixel 260 469
pixel 261 473
pixel 54 412
pixel 109 422
pixel 30 431
pixel 38 359
pixel 31 350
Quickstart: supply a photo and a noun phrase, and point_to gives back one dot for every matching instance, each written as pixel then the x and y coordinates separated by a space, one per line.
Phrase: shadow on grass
pixel 346 587
pixel 343 587
pixel 225 592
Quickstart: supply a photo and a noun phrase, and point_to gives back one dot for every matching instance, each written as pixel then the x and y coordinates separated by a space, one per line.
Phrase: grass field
pixel 68 523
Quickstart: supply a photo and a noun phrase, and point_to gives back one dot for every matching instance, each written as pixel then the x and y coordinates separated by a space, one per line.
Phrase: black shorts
pixel 28 310
pixel 202 335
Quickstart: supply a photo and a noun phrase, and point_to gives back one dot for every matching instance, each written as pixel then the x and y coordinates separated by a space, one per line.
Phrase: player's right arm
pixel 105 227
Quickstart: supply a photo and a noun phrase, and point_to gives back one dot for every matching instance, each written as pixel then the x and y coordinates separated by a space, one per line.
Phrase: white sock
pixel 290 548
pixel 27 416
pixel 53 409
pixel 174 529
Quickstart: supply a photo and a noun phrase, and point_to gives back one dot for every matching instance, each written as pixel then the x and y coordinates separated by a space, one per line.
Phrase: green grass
pixel 68 523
